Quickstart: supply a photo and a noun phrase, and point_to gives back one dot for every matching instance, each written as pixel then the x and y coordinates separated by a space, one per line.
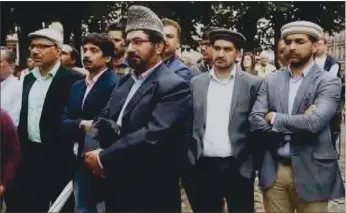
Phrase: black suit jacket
pixel 94 103
pixel 53 107
pixel 144 164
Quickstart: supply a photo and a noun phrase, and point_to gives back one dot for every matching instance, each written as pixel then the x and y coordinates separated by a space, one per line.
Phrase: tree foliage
pixel 260 22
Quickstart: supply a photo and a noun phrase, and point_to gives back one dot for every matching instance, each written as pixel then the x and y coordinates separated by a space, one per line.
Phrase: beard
pixel 119 53
pixel 299 61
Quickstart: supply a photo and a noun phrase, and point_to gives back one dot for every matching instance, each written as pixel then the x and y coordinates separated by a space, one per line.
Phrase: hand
pixel 268 117
pixel 310 110
pixel 2 190
pixel 92 163
pixel 86 124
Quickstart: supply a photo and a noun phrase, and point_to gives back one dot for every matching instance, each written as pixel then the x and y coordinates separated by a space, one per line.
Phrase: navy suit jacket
pixel 94 103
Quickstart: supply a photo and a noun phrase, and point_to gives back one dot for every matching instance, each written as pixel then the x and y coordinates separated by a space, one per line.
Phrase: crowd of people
pixel 146 124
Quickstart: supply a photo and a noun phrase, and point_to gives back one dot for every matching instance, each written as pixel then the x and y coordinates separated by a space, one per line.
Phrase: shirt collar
pixel 230 77
pixel 145 75
pixel 36 71
pixel 91 81
pixel 305 71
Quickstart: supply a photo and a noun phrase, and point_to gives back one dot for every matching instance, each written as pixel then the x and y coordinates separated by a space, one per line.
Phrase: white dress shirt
pixel 138 81
pixel 11 97
pixel 37 96
pixel 322 60
pixel 216 140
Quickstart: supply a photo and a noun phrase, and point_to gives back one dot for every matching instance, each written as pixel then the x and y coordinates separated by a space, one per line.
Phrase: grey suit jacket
pixel 314 160
pixel 244 96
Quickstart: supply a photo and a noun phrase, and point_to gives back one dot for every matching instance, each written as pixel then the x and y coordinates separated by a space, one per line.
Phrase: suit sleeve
pixel 70 123
pixel 327 100
pixel 185 73
pixel 170 108
pixel 260 108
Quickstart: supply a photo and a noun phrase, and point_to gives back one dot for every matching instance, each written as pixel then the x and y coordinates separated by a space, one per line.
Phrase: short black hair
pixel 11 57
pixel 118 26
pixel 102 41
pixel 76 57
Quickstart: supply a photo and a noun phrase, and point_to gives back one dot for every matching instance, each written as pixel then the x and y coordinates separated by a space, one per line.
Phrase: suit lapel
pixel 121 94
pixel 238 83
pixel 284 90
pixel 203 88
pixel 100 85
pixel 304 88
pixel 53 88
pixel 148 84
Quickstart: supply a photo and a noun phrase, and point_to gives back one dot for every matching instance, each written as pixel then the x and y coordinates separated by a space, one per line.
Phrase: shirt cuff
pixel 98 158
pixel 273 118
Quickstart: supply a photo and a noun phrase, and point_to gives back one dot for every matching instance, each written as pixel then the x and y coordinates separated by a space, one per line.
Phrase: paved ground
pixel 334 206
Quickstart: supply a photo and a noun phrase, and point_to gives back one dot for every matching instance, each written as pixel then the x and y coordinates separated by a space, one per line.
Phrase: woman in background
pixel 248 63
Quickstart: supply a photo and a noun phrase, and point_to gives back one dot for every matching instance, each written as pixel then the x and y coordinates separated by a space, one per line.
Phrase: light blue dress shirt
pixel 294 85
pixel 37 96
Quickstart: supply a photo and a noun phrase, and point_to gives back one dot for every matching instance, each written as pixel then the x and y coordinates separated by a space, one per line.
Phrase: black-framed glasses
pixel 40 46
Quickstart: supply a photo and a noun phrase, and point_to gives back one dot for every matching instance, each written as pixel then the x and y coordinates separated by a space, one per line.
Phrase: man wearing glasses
pixel 205 63
pixel 44 169
pixel 146 112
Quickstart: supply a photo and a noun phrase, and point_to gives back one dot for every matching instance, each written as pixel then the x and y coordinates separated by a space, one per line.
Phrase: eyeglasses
pixel 40 46
pixel 136 42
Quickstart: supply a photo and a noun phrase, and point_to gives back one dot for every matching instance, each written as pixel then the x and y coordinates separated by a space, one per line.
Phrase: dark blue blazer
pixel 96 100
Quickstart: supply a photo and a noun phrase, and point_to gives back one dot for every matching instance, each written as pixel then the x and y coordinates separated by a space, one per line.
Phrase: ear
pixel 159 47
pixel 314 47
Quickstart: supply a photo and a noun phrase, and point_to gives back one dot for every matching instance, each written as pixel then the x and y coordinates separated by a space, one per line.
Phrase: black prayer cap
pixel 224 34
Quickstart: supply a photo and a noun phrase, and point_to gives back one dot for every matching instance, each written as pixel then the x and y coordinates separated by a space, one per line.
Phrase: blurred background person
pixel 248 63
pixel 9 152
pixel 11 87
pixel 116 33
pixel 70 58
pixel 281 59
pixel 30 64
pixel 264 68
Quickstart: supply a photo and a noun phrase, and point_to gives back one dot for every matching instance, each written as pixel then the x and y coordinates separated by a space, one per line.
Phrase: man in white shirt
pixel 31 65
pixel 11 87
pixel 324 60
pixel 222 102
pixel 46 162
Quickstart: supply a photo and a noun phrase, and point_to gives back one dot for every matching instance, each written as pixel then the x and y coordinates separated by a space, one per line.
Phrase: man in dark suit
pixel 46 156
pixel 143 163
pixel 292 113
pixel 87 99
pixel 225 151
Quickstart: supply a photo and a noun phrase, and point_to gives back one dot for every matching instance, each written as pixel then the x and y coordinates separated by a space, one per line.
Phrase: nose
pixel 292 46
pixel 130 47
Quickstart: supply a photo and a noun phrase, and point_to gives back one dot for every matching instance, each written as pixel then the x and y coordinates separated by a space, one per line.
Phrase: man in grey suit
pixel 292 113
pixel 222 101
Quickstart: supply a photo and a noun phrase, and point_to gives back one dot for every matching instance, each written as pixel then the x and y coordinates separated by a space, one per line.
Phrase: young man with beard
pixel 87 99
pixel 142 156
pixel 292 113
pixel 172 32
pixel 225 152
pixel 46 165
pixel 116 32
pixel 205 64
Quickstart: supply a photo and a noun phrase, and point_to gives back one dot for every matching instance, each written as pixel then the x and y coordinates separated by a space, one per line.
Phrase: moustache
pixel 220 59
pixel 85 60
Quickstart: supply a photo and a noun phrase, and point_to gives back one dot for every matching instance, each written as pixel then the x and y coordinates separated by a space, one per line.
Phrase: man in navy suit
pixel 88 97
pixel 143 162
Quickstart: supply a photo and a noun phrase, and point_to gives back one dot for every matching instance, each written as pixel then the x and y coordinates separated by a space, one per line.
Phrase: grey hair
pixel 11 57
